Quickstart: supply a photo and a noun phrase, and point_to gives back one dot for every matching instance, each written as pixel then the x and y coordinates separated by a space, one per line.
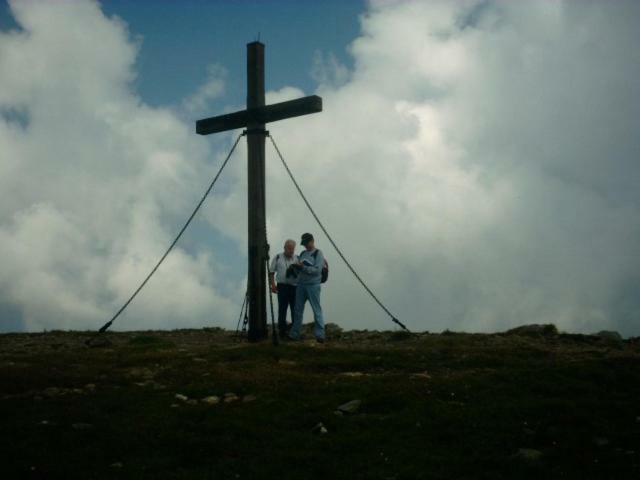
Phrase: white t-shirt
pixel 279 264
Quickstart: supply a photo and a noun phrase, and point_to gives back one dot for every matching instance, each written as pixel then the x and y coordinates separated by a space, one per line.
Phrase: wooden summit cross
pixel 254 118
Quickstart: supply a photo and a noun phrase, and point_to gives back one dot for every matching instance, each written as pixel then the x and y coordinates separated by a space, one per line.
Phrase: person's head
pixel 307 241
pixel 289 247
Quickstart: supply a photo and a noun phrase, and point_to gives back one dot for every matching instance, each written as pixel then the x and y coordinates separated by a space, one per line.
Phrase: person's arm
pixel 316 268
pixel 272 275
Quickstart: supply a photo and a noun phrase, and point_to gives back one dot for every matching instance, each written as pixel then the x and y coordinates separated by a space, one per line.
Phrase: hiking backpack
pixel 325 268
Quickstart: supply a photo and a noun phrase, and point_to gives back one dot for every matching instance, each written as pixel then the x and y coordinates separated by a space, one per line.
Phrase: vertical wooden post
pixel 254 119
pixel 257 273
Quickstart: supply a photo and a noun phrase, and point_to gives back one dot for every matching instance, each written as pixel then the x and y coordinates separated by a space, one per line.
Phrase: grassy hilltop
pixel 201 404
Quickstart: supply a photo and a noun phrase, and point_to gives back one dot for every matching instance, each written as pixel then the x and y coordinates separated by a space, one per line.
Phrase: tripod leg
pixel 274 333
pixel 242 308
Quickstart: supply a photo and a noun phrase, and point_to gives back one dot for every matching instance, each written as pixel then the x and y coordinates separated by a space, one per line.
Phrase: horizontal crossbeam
pixel 269 113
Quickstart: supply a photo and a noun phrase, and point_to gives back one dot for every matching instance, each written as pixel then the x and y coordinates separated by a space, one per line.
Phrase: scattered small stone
pixel 351 374
pixel 319 428
pixel 38 398
pixel 182 398
pixel 192 401
pixel 290 363
pixel 116 465
pixel 82 426
pixel 142 372
pixel 52 392
pixel 601 441
pixel 249 398
pixel 91 387
pixel 338 413
pixel 529 454
pixel 230 397
pixel 174 405
pixel 528 431
pixel 211 400
pixel 350 407
pixel 424 375
pixel 199 360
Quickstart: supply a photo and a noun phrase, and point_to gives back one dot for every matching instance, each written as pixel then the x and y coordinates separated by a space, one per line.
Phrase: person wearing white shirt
pixel 284 283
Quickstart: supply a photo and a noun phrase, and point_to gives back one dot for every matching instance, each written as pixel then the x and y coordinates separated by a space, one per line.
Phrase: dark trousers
pixel 286 299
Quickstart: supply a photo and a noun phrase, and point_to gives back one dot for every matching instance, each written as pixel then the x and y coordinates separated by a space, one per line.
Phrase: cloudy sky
pixel 478 161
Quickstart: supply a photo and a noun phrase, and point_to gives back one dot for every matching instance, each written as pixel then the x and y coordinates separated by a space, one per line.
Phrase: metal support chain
pixel 193 214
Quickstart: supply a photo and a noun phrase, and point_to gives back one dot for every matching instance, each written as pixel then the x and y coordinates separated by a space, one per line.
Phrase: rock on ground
pixel 350 407
pixel 609 335
pixel 529 454
pixel 535 329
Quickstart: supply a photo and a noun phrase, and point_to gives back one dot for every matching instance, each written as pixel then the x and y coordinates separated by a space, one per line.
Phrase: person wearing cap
pixel 285 287
pixel 309 268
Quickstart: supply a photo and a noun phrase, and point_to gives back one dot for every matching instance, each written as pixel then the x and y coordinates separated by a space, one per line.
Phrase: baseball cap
pixel 306 237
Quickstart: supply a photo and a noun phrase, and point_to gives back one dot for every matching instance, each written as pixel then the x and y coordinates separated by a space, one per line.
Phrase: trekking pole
pixel 274 333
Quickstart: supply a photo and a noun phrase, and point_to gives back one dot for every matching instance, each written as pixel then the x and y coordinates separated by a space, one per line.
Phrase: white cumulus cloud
pixel 94 182
pixel 480 166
